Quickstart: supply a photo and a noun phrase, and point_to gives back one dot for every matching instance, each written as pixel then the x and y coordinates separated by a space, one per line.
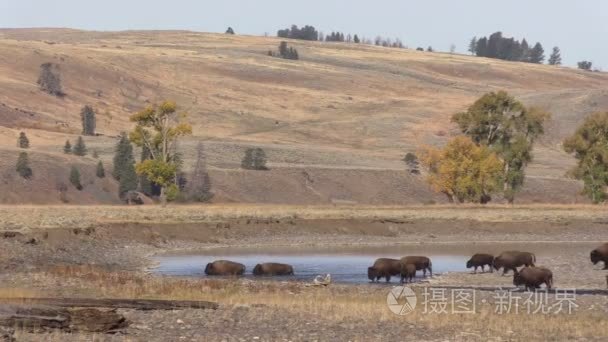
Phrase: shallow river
pixel 346 265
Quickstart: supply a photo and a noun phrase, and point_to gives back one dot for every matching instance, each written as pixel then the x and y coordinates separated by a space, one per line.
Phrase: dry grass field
pixel 335 124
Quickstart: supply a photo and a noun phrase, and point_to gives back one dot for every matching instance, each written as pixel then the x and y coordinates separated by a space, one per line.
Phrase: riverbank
pixel 48 253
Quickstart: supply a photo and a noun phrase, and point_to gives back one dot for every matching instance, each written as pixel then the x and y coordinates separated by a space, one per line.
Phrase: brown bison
pixel 422 263
pixel 224 268
pixel 511 260
pixel 408 271
pixel 384 268
pixel 600 254
pixel 481 260
pixel 272 269
pixel 533 277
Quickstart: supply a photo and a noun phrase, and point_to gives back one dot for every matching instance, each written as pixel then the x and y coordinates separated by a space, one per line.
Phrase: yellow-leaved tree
pixel 463 171
pixel 158 129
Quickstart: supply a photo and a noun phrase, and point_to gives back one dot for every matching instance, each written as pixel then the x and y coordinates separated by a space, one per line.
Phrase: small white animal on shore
pixel 322 280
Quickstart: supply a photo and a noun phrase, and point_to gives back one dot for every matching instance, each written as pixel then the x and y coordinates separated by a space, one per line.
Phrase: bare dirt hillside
pixel 335 124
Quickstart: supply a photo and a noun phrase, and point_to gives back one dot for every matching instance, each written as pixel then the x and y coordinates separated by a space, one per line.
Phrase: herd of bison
pixel 530 276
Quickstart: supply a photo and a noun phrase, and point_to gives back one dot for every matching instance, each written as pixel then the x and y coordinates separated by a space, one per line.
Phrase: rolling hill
pixel 334 124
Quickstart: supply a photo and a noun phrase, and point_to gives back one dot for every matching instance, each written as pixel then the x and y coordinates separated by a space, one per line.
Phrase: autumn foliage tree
pixel 589 144
pixel 503 124
pixel 158 128
pixel 463 171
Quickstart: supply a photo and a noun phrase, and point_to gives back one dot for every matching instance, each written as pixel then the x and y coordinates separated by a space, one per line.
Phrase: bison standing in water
pixel 481 260
pixel 533 277
pixel 384 268
pixel 511 260
pixel 600 254
pixel 408 271
pixel 422 263
pixel 224 268
pixel 272 269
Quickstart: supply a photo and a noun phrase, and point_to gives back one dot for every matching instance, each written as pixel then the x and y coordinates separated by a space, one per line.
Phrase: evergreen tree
pixel 556 57
pixel 200 182
pixel 481 47
pixel 100 172
pixel 473 46
pixel 430 49
pixel 585 65
pixel 67 148
pixel 50 79
pixel 75 178
pixel 23 166
pixel 356 39
pixel 254 159
pixel 412 163
pixel 537 54
pixel 87 116
pixel 23 141
pixel 145 186
pixel 80 148
pixel 525 51
pixel 229 30
pixel 124 166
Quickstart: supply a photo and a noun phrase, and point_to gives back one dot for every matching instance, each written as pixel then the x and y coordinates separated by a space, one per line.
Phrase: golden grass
pixel 33 217
pixel 335 304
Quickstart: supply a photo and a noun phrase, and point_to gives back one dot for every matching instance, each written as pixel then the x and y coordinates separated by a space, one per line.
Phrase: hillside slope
pixel 347 107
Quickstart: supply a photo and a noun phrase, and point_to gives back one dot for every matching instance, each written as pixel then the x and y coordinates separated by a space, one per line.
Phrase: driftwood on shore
pixel 39 318
pixel 137 304
pixel 81 314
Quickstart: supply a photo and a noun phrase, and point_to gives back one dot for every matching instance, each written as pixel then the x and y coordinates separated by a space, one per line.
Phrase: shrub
pixel 67 148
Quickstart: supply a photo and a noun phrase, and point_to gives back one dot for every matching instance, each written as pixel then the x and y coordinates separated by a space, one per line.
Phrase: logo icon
pixel 401 300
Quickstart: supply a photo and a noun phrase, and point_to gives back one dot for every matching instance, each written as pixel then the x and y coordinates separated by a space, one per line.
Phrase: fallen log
pixel 137 304
pixel 40 318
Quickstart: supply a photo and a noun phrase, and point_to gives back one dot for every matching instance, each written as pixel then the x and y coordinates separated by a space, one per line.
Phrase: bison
pixel 408 271
pixel 224 268
pixel 481 260
pixel 384 268
pixel 272 269
pixel 600 254
pixel 512 259
pixel 422 263
pixel 533 277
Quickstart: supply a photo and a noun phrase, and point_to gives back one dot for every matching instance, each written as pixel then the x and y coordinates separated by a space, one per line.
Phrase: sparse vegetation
pixel 464 171
pixel 590 147
pixel 23 141
pixel 509 129
pixel 50 79
pixel 286 52
pixel 87 116
pixel 158 129
pixel 254 159
pixel 75 178
pixel 67 147
pixel 80 149
pixel 23 166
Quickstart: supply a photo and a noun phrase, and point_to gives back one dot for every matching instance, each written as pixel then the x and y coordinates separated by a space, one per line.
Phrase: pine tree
pixel 100 172
pixel 525 51
pixel 473 46
pixel 124 168
pixel 230 31
pixel 356 39
pixel 537 54
pixel 145 186
pixel 556 57
pixel 50 79
pixel 80 148
pixel 75 178
pixel 67 148
pixel 200 182
pixel 23 166
pixel 23 141
pixel 87 116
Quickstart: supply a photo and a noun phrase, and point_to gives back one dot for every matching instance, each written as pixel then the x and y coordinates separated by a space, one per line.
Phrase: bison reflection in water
pixel 224 268
pixel 481 260
pixel 512 259
pixel 600 254
pixel 533 277
pixel 272 269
